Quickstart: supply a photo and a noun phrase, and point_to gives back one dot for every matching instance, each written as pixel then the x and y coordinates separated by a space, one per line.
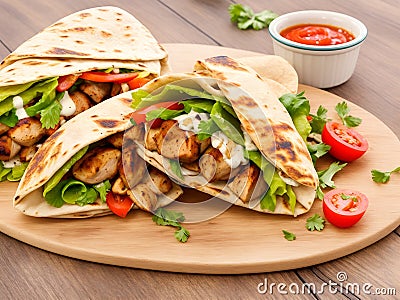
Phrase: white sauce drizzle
pixel 18 104
pixel 12 163
pixel 68 106
pixel 191 121
pixel 232 153
pixel 248 143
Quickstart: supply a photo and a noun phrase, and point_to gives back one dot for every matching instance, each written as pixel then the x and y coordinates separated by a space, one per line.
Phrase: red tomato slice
pixel 344 208
pixel 346 143
pixel 108 77
pixel 65 82
pixel 139 116
pixel 119 205
pixel 137 83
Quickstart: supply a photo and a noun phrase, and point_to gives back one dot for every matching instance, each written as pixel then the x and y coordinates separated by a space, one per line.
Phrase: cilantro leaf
pixel 102 188
pixel 182 234
pixel 382 177
pixel 318 121
pixel 343 111
pixel 50 116
pixel 316 222
pixel 288 235
pixel 325 177
pixel 165 217
pixel 317 150
pixel 206 129
pixel 245 17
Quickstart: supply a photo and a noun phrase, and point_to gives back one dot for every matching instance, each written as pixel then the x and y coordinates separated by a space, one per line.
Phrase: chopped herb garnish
pixel 288 235
pixel 245 17
pixel 315 222
pixel 325 177
pixel 383 177
pixel 165 217
pixel 343 111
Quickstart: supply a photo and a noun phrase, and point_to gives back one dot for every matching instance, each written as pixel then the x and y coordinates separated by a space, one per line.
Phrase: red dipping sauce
pixel 317 34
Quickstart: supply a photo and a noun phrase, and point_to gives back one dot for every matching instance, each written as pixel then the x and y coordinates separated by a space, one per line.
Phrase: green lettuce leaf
pixel 163 113
pixel 12 90
pixel 9 118
pixel 143 99
pixel 17 172
pixel 28 95
pixel 102 189
pixel 228 124
pixel 299 108
pixel 56 178
pixel 3 172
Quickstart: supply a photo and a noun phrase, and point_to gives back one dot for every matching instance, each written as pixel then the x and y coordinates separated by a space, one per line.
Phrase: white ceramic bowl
pixel 319 66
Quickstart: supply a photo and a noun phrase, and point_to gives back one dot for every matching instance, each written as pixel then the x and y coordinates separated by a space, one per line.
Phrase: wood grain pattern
pixel 96 239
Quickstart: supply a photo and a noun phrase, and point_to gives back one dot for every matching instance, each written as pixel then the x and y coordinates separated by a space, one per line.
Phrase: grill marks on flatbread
pixel 99 33
pixel 255 104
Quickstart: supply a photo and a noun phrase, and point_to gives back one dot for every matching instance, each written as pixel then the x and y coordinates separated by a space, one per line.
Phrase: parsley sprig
pixel 325 178
pixel 245 17
pixel 343 111
pixel 165 217
pixel 288 235
pixel 315 222
pixel 383 177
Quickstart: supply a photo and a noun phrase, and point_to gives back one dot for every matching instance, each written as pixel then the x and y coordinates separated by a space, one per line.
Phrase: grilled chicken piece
pixel 194 166
pixel 159 182
pixel 116 139
pixel 97 165
pixel 27 132
pixel 119 187
pixel 27 153
pixel 143 197
pixel 135 133
pixel 3 128
pixel 116 89
pixel 8 148
pixel 173 142
pixel 82 102
pixel 151 138
pixel 97 91
pixel 133 168
pixel 248 184
pixel 213 167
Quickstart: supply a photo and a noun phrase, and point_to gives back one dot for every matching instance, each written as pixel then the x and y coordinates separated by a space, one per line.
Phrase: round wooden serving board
pixel 239 240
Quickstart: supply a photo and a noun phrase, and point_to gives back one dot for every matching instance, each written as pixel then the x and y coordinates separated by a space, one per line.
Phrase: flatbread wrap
pixel 223 131
pixel 70 66
pixel 90 167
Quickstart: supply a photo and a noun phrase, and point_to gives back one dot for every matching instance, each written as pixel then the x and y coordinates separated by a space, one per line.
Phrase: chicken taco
pixel 70 66
pixel 93 170
pixel 223 131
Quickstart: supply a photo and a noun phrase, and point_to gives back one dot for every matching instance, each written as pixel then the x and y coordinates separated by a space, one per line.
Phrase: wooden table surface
pixel 31 273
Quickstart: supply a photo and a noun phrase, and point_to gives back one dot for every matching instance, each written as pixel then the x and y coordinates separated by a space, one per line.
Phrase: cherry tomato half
pixel 346 143
pixel 109 77
pixel 344 208
pixel 65 82
pixel 118 204
pixel 139 116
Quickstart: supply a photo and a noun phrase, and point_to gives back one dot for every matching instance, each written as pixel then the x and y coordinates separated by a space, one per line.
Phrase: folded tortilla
pixel 262 117
pixel 101 38
pixel 89 127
